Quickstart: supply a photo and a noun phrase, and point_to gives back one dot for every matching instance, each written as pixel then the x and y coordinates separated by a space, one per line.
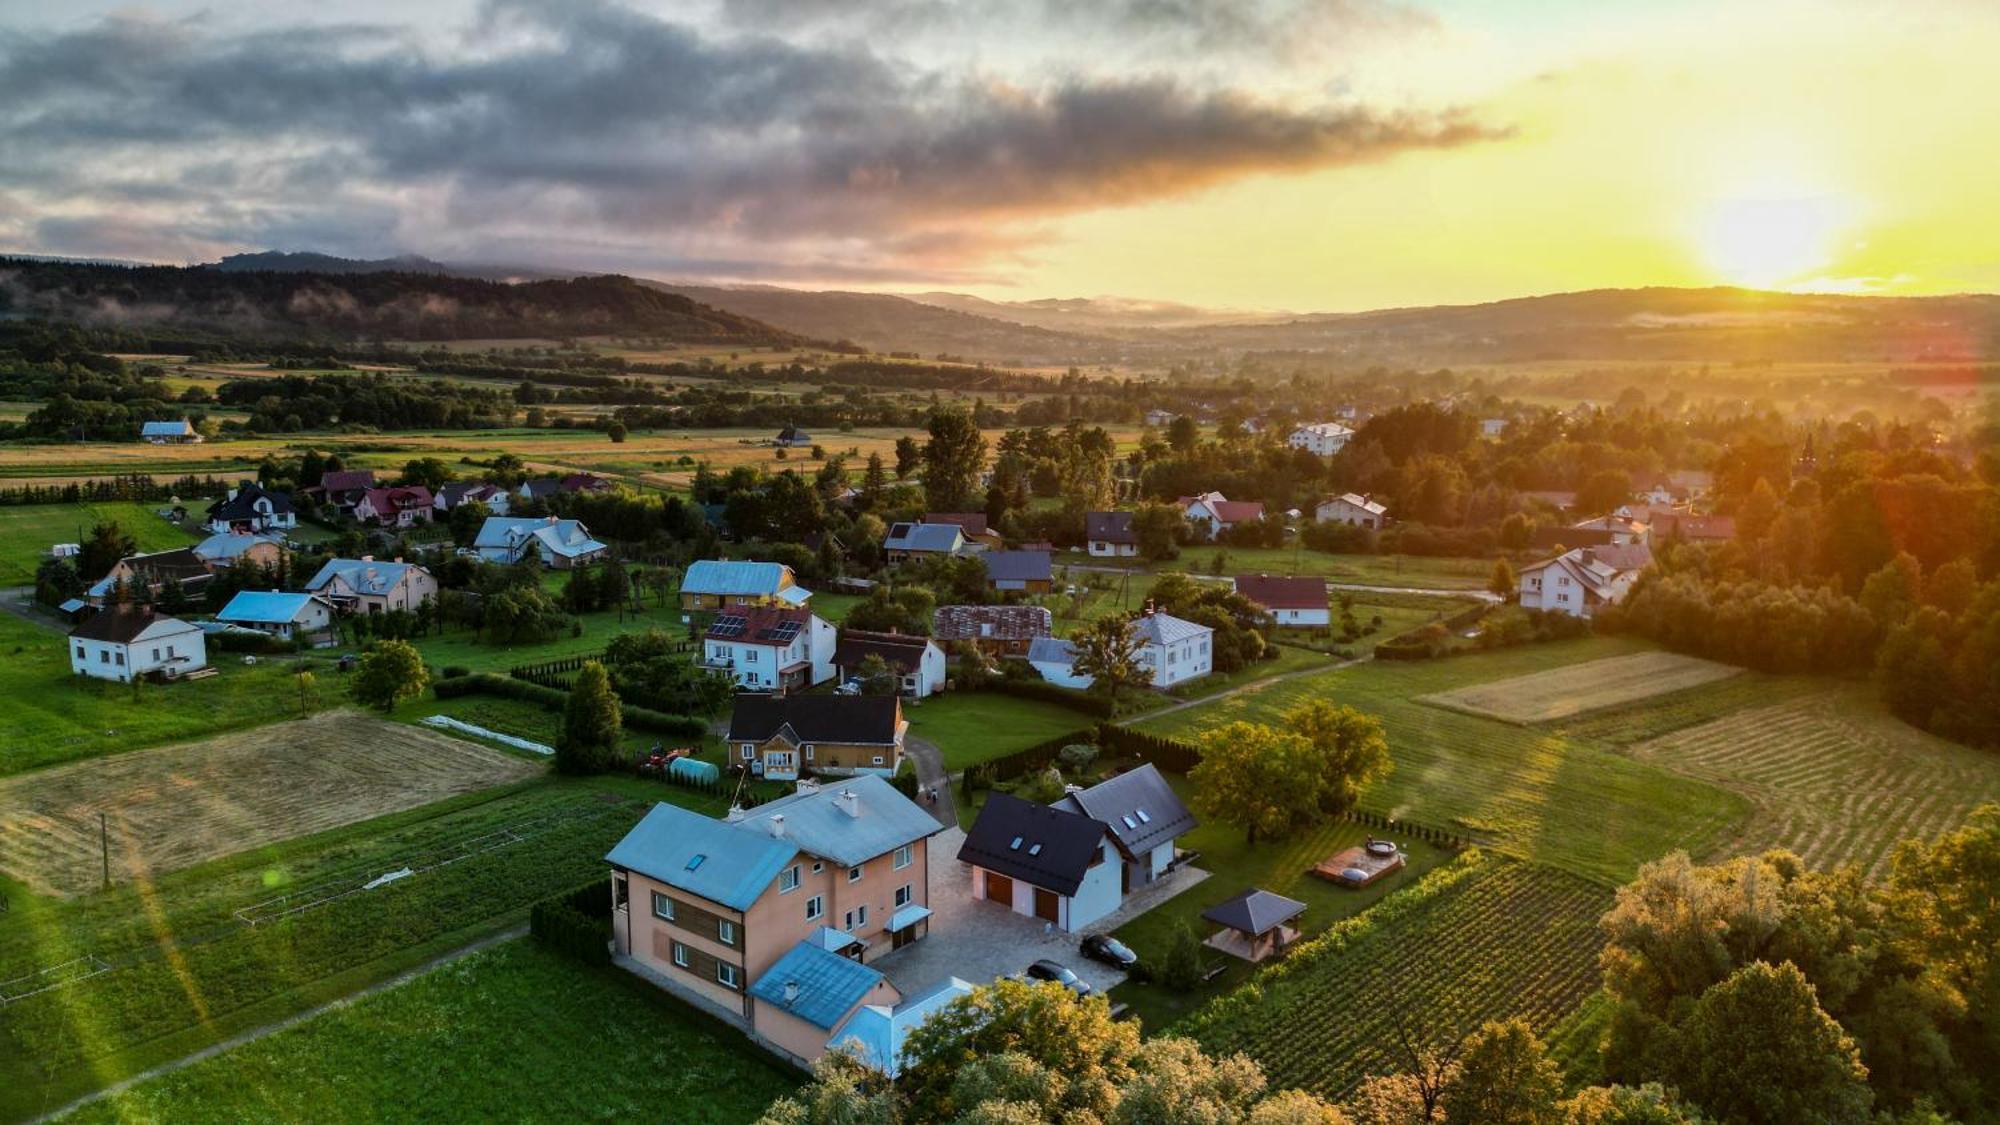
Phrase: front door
pixel 1047 906
pixel 1000 889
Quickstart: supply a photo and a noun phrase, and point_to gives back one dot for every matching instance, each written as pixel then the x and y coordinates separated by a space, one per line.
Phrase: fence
pixel 1443 837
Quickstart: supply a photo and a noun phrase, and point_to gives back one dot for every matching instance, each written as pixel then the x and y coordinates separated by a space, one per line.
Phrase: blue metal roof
pixel 942 538
pixel 820 822
pixel 827 985
pixel 875 1035
pixel 265 607
pixel 732 576
pixel 717 860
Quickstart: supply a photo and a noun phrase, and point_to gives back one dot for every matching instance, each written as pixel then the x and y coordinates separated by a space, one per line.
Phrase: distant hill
pixel 887 323
pixel 366 305
pixel 280 261
pixel 1112 315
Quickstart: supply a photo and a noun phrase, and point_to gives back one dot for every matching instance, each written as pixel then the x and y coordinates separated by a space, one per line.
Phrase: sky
pixel 1296 155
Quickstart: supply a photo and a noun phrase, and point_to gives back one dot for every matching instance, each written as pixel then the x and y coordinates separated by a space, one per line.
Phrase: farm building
pixel 780 736
pixel 562 544
pixel 1321 438
pixel 252 507
pixel 123 642
pixel 907 541
pixel 1354 510
pixel 1297 602
pixel 790 437
pixel 1044 862
pixel 181 432
pixel 1000 630
pixel 1110 535
pixel 1173 651
pixel 1145 816
pixel 714 583
pixel 283 615
pixel 769 917
pixel 1055 660
pixel 770 648
pixel 917 662
pixel 1030 572
pixel 397 506
pixel 1217 514
pixel 365 586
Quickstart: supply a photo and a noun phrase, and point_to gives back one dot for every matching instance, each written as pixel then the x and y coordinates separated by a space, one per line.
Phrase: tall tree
pixel 593 723
pixel 908 457
pixel 953 458
pixel 390 672
pixel 1108 651
pixel 1758 1049
pixel 1352 751
pixel 1264 780
pixel 1505 1077
pixel 102 548
pixel 874 480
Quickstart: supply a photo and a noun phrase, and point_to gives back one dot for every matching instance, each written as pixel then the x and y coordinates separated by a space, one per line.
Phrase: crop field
pixel 101 987
pixel 175 806
pixel 403 1055
pixel 1579 688
pixel 1831 776
pixel 1535 793
pixel 28 531
pixel 1479 939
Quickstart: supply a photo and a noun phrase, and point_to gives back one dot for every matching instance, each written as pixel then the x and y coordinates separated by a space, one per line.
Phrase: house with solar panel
pixel 715 583
pixel 783 737
pixel 770 648
pixel 283 615
pixel 908 541
pixel 770 919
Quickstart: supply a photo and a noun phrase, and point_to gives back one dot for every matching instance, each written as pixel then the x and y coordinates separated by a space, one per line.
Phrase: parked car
pixel 1109 950
pixel 851 687
pixel 1053 971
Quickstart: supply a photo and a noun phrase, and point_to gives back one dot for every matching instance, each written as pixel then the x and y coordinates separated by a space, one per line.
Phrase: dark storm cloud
pixel 595 124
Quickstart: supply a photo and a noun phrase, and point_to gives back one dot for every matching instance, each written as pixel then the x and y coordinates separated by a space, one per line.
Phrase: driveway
pixel 929 761
pixel 20 601
pixel 980 942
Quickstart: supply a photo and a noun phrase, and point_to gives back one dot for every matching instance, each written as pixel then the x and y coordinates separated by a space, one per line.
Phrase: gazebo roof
pixel 1254 912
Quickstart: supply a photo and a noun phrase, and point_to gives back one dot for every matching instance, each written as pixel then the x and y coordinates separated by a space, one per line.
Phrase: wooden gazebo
pixel 1253 925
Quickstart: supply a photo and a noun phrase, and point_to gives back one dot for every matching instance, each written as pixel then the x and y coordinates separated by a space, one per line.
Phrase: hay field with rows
pixel 1577 689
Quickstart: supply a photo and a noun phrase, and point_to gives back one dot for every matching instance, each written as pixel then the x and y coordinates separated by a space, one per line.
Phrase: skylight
pixel 1034 849
pixel 1015 846
pixel 1143 818
pixel 695 862
pixel 1129 822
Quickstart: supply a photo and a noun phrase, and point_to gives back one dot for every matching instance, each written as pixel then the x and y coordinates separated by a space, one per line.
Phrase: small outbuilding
pixel 1254 925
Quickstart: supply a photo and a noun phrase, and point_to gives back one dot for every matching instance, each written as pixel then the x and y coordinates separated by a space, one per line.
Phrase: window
pixel 861 915
pixel 104 656
pixel 1143 818
pixel 80 653
pixel 905 893
pixel 809 751
pixel 121 658
pixel 818 867
pixel 878 759
pixel 789 881
pixel 1014 845
pixel 663 907
pixel 156 656
pixel 680 955
pixel 903 857
pixel 1172 656
pixel 725 974
pixel 815 906
pixel 749 656
pixel 749 751
pixel 854 874
pixel 725 932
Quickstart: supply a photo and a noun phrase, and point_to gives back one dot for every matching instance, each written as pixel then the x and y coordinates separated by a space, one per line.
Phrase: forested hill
pixel 386 305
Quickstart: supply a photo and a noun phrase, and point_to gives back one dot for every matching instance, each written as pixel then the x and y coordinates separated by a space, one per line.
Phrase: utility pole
pixel 104 845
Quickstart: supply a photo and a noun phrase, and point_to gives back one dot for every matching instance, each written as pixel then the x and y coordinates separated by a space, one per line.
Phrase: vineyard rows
pixel 1483 938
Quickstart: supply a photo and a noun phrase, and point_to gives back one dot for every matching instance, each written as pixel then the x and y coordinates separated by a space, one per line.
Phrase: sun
pixel 1770 242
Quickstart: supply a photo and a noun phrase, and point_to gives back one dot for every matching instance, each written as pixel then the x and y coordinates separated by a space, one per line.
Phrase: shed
pixel 1254 924
pixel 694 769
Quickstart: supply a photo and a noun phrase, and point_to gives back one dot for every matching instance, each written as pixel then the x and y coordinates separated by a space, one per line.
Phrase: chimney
pixel 777 825
pixel 791 993
pixel 850 803
pixel 368 558
pixel 1589 556
pixel 734 814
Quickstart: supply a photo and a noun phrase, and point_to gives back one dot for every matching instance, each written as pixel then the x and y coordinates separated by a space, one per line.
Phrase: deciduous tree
pixel 593 723
pixel 390 672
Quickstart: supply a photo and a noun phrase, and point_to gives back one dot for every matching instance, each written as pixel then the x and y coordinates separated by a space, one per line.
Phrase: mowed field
pixel 175 806
pixel 28 531
pixel 1831 776
pixel 1579 688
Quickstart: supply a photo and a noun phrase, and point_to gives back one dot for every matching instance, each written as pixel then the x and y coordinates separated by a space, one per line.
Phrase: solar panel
pixel 730 626
pixel 784 631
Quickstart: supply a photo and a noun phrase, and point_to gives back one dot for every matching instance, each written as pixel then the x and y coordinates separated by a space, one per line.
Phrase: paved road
pixel 20 601
pixel 931 775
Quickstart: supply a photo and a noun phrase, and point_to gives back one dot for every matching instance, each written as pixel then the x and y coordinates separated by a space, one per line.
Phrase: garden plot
pixel 1579 688
pixel 175 806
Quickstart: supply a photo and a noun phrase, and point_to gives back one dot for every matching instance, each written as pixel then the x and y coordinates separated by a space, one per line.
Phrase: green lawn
pixel 1571 801
pixel 28 531
pixel 462 648
pixel 53 715
pixel 1412 571
pixel 1234 866
pixel 512 1033
pixel 972 727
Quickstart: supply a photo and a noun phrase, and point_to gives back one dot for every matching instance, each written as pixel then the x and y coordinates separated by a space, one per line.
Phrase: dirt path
pixel 1239 689
pixel 19 601
pixel 257 1033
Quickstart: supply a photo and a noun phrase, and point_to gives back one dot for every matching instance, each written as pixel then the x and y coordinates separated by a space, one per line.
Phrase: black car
pixel 1050 970
pixel 1111 951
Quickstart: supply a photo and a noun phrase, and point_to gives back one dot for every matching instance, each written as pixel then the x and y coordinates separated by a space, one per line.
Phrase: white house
pixel 278 613
pixel 1492 427
pixel 1300 603
pixel 1322 438
pixel 1145 816
pixel 1216 513
pixel 1578 582
pixel 122 642
pixel 562 543
pixel 917 662
pixel 1061 867
pixel 1055 660
pixel 1354 510
pixel 1173 651
pixel 1110 534
pixel 251 507
pixel 365 586
pixel 768 648
pixel 1157 417
pixel 181 432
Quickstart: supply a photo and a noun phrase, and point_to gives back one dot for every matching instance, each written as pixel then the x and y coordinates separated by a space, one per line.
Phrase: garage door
pixel 1047 908
pixel 1000 889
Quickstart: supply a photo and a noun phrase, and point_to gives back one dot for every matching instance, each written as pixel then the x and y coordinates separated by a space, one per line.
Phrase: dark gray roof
pixel 900 651
pixel 1254 911
pixel 1047 847
pixel 867 719
pixel 991 622
pixel 1018 566
pixel 1141 808
pixel 121 624
pixel 242 506
pixel 542 487
pixel 1109 527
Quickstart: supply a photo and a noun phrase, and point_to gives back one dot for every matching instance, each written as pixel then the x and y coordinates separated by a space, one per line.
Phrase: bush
pixel 1180 969
pixel 453 671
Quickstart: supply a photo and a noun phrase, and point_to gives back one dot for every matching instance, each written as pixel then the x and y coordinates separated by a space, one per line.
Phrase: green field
pixel 53 715
pixel 463 648
pixel 508 1034
pixel 1233 866
pixel 1539 794
pixel 970 727
pixel 1418 572
pixel 28 531
pixel 1482 938
pixel 153 970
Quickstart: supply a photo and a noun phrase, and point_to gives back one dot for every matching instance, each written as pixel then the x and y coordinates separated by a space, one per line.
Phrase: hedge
pixel 571 932
pixel 1168 754
pixel 1096 706
pixel 554 699
pixel 1433 638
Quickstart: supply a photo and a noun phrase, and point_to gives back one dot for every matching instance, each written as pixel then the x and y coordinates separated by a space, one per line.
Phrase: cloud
pixel 590 128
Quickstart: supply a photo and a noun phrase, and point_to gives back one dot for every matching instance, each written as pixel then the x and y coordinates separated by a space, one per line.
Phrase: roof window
pixel 1015 846
pixel 695 861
